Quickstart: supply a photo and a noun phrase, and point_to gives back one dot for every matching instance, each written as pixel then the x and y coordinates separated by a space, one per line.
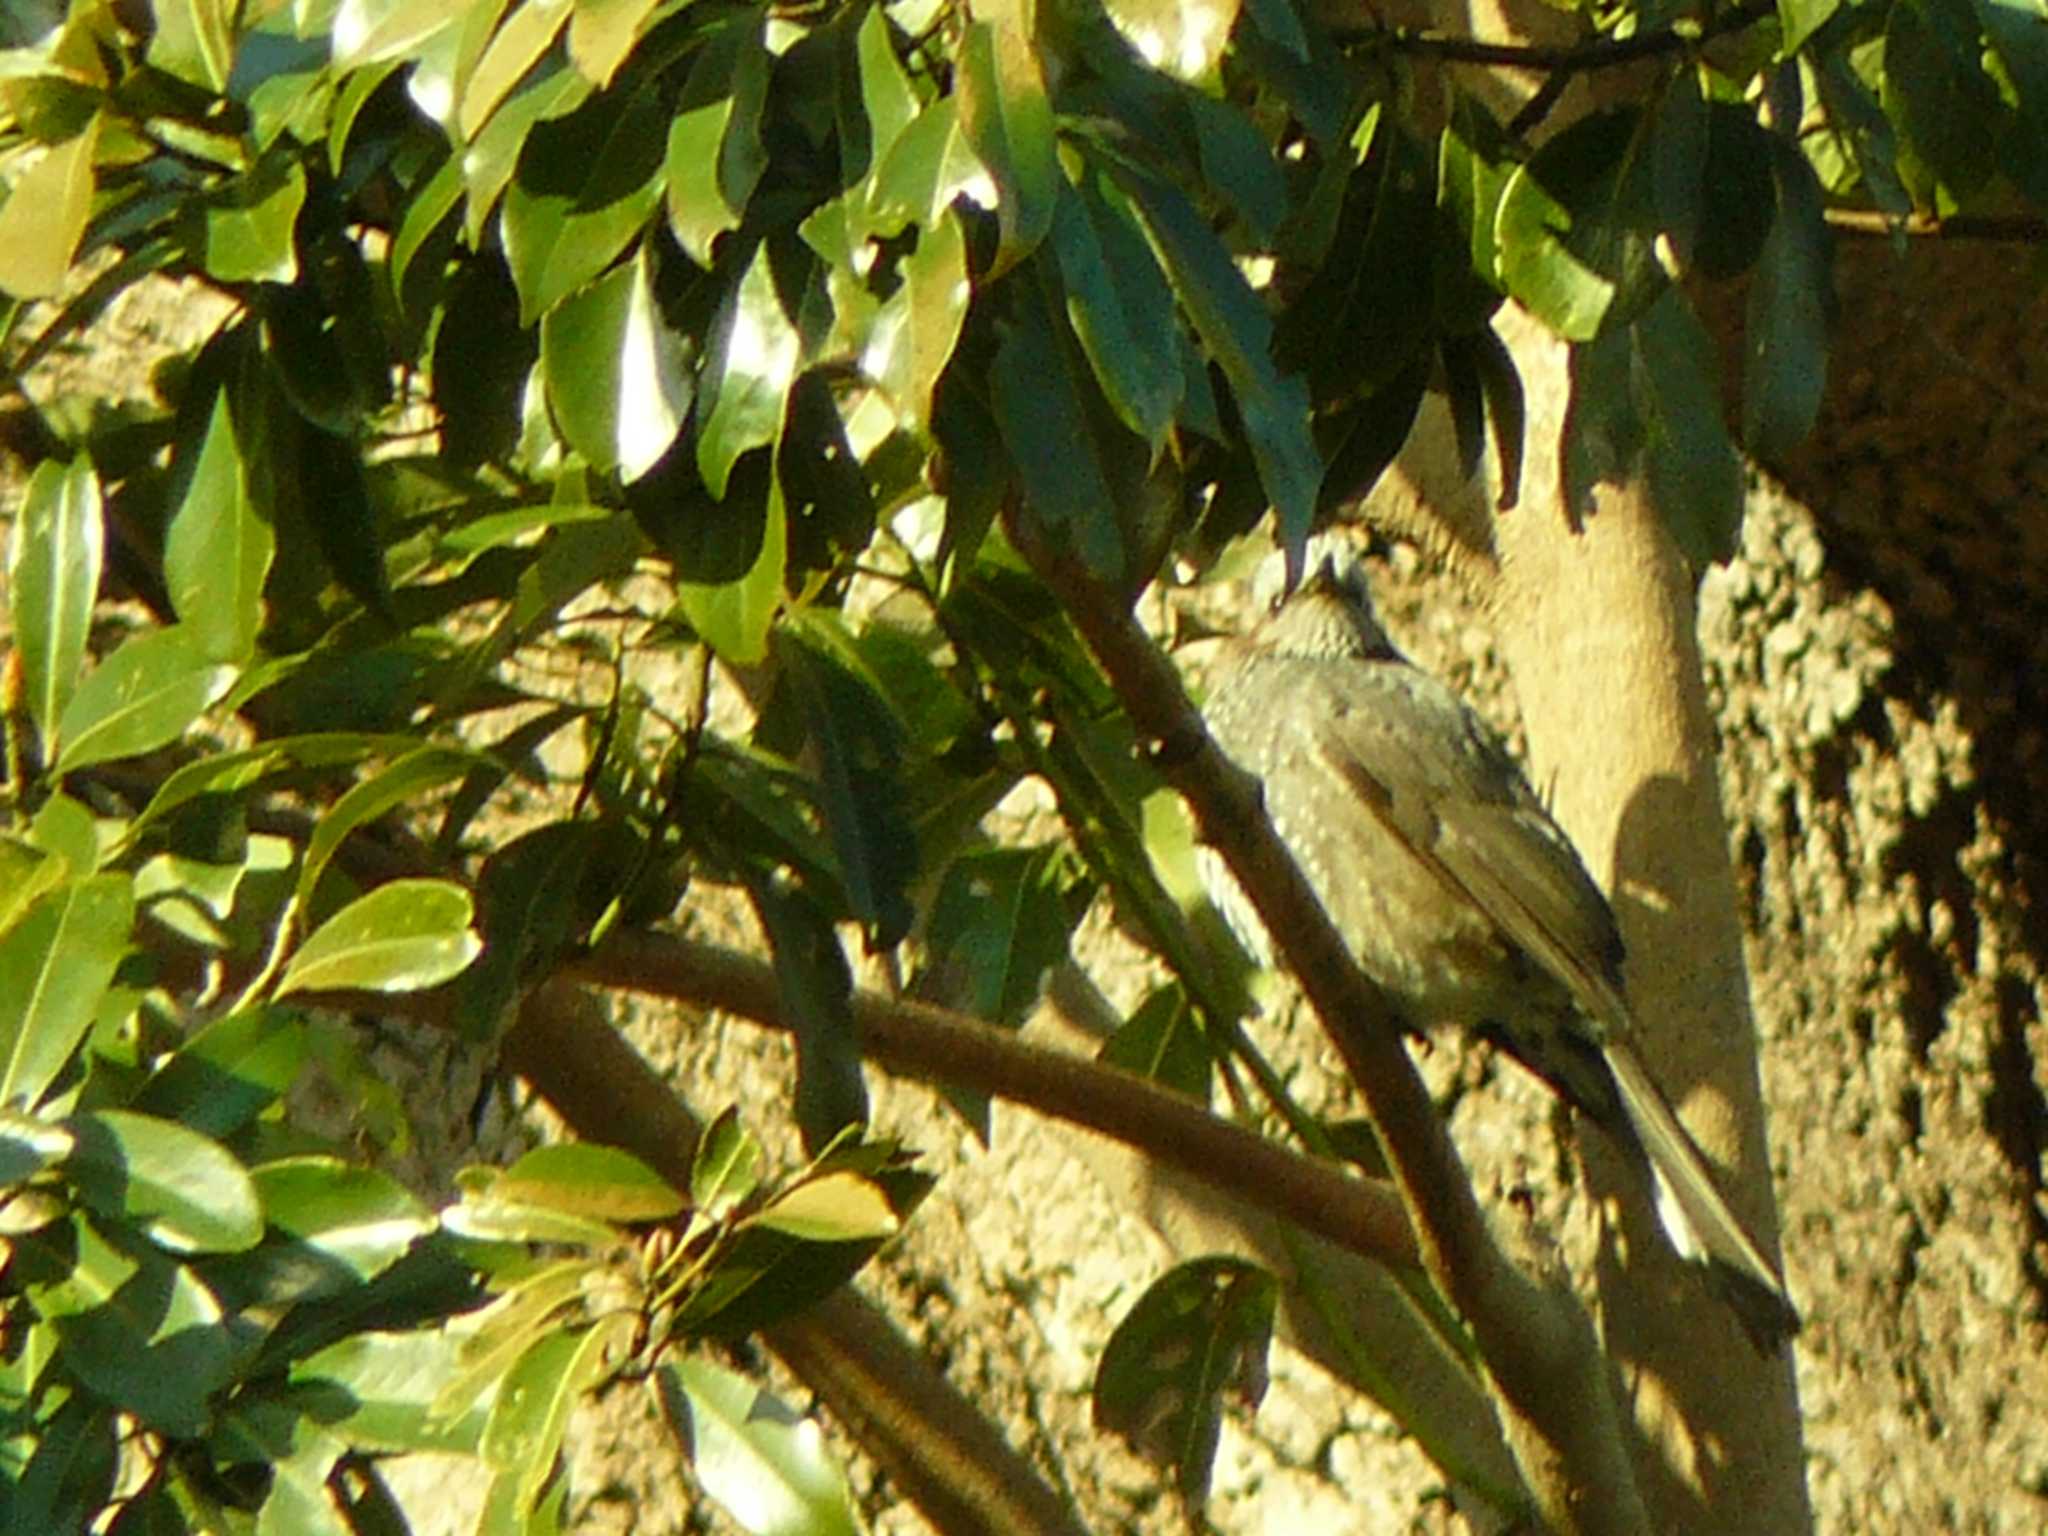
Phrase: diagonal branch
pixel 1547 1373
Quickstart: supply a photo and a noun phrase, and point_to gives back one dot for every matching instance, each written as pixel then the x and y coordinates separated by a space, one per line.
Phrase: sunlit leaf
pixel 218 549
pixel 356 1217
pixel 404 936
pixel 591 1180
pixel 1184 40
pixel 45 216
pixel 405 782
pixel 837 1207
pixel 374 31
pixel 55 964
pixel 766 1466
pixel 376 1391
pixel 184 1189
pixel 715 153
pixel 524 1433
pixel 914 331
pixel 752 357
pixel 229 1072
pixel 727 1167
pixel 929 165
pixel 615 371
pixel 249 229
pixel 54 572
pixel 524 35
pixel 602 33
pixel 1009 121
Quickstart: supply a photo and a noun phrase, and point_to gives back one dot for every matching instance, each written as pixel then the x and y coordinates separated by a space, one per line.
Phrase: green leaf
pixel 602 33
pixel 1008 120
pixel 70 1475
pixel 138 1329
pixel 142 697
pixel 376 1391
pixel 768 1467
pixel 916 327
pixel 234 773
pixel 195 41
pixel 816 987
pixel 1181 38
pixel 838 1207
pixel 1002 917
pixel 1121 311
pixel 1694 472
pixel 485 1215
pixel 727 1167
pixel 1577 226
pixel 45 216
pixel 591 1180
pixel 249 228
pixel 183 1189
pixel 28 1146
pixel 585 188
pixel 54 573
pixel 377 31
pixel 530 892
pixel 857 746
pixel 1237 332
pixel 886 95
pixel 2017 32
pixel 355 1217
pixel 1934 87
pixel 615 372
pixel 55 965
pixel 734 617
pixel 752 357
pixel 929 166
pixel 1043 418
pixel 405 936
pixel 405 782
pixel 489 161
pixel 715 153
pixel 218 549
pixel 229 1072
pixel 1800 19
pixel 1785 337
pixel 524 1433
pixel 527 32
pixel 1199 1333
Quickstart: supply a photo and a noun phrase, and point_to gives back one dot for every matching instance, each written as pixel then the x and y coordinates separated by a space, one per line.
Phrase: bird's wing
pixel 1446 787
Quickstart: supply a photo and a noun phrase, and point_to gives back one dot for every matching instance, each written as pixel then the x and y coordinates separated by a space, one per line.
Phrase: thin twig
pixel 2012 228
pixel 1571 58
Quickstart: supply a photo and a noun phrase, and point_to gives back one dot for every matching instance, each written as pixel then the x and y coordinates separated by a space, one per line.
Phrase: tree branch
pixel 1548 1374
pixel 2012 228
pixel 937 1045
pixel 1571 59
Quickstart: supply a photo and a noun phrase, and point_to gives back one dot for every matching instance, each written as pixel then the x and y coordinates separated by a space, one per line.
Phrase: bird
pixel 1456 892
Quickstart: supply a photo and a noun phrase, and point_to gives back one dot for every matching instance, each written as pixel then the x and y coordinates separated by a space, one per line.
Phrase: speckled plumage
pixel 1455 890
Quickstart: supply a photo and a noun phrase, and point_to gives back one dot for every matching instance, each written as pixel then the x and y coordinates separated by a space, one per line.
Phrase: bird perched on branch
pixel 1456 891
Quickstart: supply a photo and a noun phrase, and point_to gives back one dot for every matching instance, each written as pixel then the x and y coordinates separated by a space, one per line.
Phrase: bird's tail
pixel 1693 1214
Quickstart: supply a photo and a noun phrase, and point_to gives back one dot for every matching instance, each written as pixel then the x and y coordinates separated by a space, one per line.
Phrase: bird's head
pixel 1329 614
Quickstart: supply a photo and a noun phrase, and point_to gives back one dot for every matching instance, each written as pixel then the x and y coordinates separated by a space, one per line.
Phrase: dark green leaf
pixel 615 372
pixel 1237 332
pixel 1362 441
pixel 233 773
pixel 183 1189
pixel 1238 165
pixel 530 891
pixel 229 1072
pixel 481 363
pixel 1200 1332
pixel 1002 918
pixel 68 1479
pixel 2017 31
pixel 727 1167
pixel 1935 88
pixel 488 162
pixel 1785 338
pixel 142 697
pixel 857 746
pixel 1737 192
pixel 55 965
pixel 816 987
pixel 405 936
pixel 766 1465
pixel 585 187
pixel 1040 410
pixel 28 1146
pixel 1009 122
pixel 217 551
pixel 590 1180
pixel 54 574
pixel 138 1329
pixel 1121 311
pixel 1505 409
pixel 1865 131
pixel 1694 472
